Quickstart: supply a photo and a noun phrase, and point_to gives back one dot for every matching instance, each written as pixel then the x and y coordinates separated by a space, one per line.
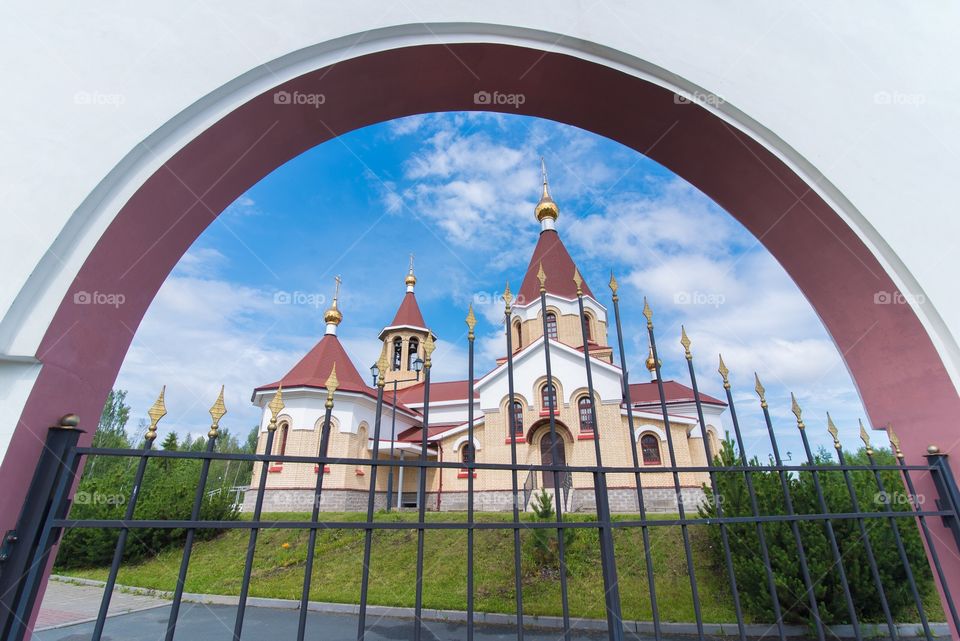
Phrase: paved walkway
pixel 215 623
pixel 65 603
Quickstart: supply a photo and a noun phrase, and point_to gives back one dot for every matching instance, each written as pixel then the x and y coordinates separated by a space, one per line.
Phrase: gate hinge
pixel 9 539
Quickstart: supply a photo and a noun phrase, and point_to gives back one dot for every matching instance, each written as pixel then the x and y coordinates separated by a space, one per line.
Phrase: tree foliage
pixel 542 546
pixel 784 559
pixel 167 492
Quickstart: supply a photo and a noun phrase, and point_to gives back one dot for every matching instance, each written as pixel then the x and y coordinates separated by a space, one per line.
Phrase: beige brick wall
pixel 403 373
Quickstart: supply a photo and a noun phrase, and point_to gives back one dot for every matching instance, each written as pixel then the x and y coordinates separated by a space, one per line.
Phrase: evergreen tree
pixel 171 442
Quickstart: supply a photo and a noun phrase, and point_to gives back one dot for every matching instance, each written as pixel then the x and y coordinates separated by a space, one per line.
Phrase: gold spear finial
pixel 648 313
pixel 894 441
pixel 542 277
pixel 866 439
pixel 760 391
pixel 157 411
pixel 833 431
pixel 216 413
pixel 614 286
pixel 685 341
pixel 428 347
pixel 795 408
pixel 578 281
pixel 507 297
pixel 471 323
pixel 276 406
pixel 331 385
pixel 723 373
pixel 384 364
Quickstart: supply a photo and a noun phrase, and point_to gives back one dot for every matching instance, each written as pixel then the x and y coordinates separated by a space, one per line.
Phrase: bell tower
pixel 403 338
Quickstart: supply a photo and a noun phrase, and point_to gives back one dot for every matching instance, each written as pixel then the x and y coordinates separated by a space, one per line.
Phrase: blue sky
pixel 458 190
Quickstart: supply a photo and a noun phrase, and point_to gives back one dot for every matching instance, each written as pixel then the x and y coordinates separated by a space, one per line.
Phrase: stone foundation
pixel 622 500
pixel 332 500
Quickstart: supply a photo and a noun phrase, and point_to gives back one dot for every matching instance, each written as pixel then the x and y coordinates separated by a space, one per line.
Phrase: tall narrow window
pixel 548 399
pixel 588 325
pixel 397 353
pixel 281 448
pixel 412 346
pixel 650 445
pixel 517 418
pixel 516 327
pixel 466 453
pixel 586 416
pixel 551 326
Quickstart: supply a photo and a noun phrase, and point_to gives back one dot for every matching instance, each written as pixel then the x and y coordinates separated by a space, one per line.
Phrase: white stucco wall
pixel 860 98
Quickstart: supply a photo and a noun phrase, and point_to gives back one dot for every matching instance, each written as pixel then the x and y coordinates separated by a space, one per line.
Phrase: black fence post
pixel 948 495
pixel 26 549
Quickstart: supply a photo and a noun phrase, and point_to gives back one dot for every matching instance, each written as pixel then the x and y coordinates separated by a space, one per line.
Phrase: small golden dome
pixel 410 279
pixel 333 315
pixel 651 361
pixel 546 208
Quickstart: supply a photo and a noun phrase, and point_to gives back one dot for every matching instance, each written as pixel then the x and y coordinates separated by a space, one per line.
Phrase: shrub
pixel 542 547
pixel 167 493
pixel 784 559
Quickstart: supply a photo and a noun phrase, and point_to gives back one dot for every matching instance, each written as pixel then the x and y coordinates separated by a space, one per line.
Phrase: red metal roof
pixel 648 394
pixel 415 434
pixel 444 391
pixel 557 265
pixel 314 369
pixel 409 312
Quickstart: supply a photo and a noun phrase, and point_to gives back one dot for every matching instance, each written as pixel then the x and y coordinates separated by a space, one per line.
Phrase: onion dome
pixel 333 315
pixel 547 209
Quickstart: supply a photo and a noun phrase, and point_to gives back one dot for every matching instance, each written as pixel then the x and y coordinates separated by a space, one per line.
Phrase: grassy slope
pixel 217 567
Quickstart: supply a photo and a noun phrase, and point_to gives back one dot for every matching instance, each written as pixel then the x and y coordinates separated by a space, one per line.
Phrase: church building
pixel 290 486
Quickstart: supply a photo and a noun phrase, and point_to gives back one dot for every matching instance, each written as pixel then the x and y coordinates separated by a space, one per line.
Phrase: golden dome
pixel 651 361
pixel 410 280
pixel 546 208
pixel 333 316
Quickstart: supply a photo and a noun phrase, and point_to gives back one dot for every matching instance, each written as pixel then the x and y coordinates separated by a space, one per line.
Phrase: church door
pixel 546 456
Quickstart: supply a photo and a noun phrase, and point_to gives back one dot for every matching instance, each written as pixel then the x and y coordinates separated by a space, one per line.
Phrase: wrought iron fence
pixel 25 554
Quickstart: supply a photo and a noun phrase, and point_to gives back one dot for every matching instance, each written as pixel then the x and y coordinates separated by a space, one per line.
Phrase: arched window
pixel 466 453
pixel 412 346
pixel 586 416
pixel 516 326
pixel 397 353
pixel 589 326
pixel 548 399
pixel 650 445
pixel 551 326
pixel 517 418
pixel 281 440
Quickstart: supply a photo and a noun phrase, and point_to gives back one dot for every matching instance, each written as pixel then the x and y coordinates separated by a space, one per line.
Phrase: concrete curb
pixel 905 630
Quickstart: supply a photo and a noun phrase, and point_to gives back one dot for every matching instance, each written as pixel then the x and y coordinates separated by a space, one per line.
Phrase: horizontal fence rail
pixel 26 551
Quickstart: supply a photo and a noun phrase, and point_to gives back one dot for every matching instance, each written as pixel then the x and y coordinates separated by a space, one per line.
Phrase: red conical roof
pixel 314 369
pixel 557 265
pixel 409 312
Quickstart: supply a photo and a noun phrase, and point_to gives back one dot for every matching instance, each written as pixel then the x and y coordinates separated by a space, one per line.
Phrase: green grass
pixel 216 567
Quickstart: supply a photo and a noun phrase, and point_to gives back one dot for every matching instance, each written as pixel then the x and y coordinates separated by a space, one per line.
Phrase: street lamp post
pixel 375 371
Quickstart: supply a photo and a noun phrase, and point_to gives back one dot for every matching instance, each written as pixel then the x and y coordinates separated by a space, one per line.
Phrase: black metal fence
pixel 25 555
